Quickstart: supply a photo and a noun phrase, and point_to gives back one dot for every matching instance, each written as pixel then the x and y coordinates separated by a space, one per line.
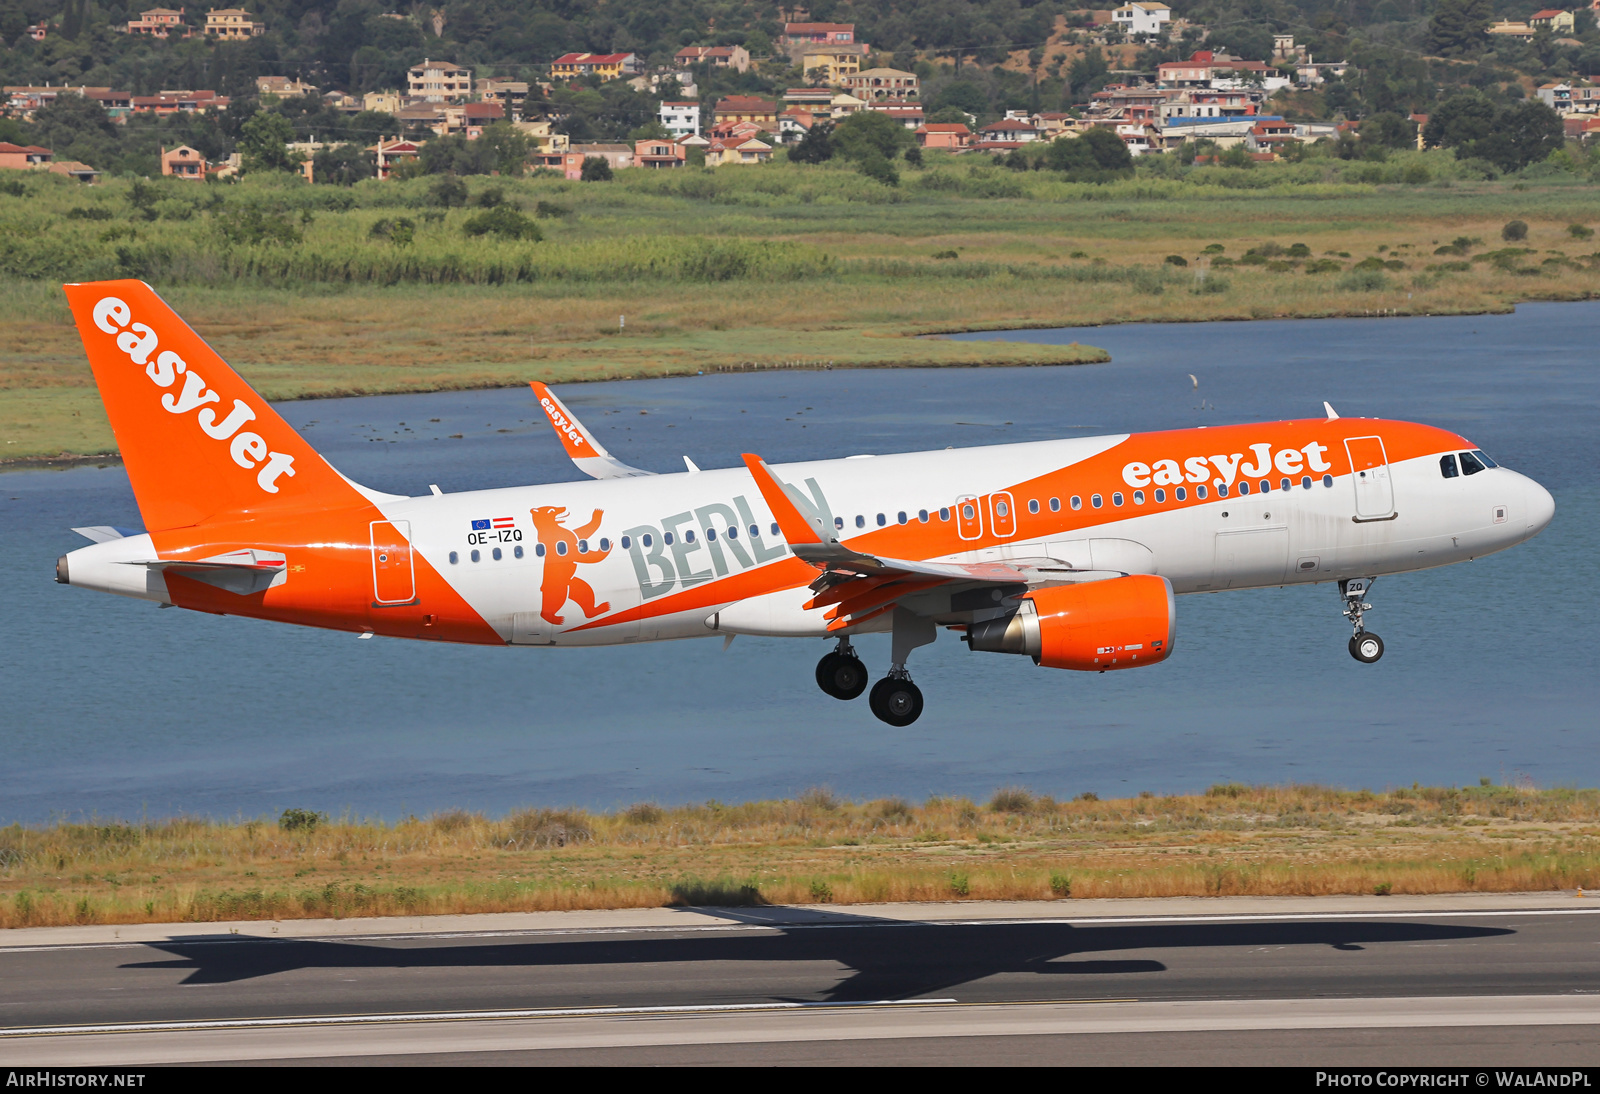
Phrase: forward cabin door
pixel 1369 471
pixel 393 581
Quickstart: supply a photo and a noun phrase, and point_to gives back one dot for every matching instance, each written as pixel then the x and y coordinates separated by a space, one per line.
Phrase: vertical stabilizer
pixel 197 440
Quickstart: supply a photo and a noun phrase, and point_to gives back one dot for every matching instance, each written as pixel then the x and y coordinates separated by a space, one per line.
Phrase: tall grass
pixel 815 848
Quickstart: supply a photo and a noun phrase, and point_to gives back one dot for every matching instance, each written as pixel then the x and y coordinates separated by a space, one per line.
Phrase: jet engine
pixel 1119 623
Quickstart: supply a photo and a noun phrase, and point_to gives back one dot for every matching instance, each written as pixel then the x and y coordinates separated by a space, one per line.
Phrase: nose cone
pixel 1540 506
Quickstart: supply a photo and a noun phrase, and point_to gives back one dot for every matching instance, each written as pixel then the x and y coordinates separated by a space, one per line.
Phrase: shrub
pixel 875 165
pixel 1363 280
pixel 821 892
pixel 252 226
pixel 13 188
pixel 644 813
pixel 1383 888
pixel 503 221
pixel 546 828
pixel 490 197
pixel 401 231
pixel 895 809
pixel 1061 884
pixel 1323 265
pixel 960 885
pixel 820 798
pixel 1088 796
pixel 1514 231
pixel 1214 248
pixel 549 211
pixel 1226 790
pixel 945 254
pixel 97 213
pixel 1011 799
pixel 1298 250
pixel 1212 286
pixel 448 191
pixel 1579 231
pixel 301 820
pixel 1176 260
pixel 721 893
pixel 595 169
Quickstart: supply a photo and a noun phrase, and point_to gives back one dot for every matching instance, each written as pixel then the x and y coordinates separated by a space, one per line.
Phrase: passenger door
pixel 1369 471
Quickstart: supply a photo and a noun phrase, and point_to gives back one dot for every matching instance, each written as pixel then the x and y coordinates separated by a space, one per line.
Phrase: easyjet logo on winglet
pixel 163 367
pixel 566 426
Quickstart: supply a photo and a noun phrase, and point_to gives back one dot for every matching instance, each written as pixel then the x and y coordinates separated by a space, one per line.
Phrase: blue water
pixel 113 707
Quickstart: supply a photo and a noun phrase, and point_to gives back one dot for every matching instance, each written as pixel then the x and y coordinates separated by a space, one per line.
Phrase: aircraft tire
pixel 898 702
pixel 1366 647
pixel 841 677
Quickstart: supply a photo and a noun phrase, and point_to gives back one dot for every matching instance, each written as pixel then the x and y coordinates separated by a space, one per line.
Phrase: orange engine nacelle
pixel 1120 623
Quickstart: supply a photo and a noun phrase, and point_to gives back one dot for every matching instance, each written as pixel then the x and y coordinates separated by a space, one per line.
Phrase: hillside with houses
pixel 347 92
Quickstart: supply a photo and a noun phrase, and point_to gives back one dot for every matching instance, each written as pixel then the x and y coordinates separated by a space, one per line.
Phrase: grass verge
pixel 1232 840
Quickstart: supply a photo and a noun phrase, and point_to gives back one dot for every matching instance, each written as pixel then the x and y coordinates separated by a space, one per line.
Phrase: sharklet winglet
pixel 586 453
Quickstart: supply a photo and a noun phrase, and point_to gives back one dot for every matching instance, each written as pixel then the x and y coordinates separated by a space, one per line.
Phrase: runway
pixel 1463 982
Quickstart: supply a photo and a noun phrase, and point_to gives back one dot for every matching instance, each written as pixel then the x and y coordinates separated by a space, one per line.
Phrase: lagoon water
pixel 112 707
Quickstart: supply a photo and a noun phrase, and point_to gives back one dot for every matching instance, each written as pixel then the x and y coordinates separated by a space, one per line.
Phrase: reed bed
pixel 816 848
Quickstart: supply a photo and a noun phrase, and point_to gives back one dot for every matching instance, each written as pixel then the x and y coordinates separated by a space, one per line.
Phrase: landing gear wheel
pixel 896 701
pixel 1366 647
pixel 842 675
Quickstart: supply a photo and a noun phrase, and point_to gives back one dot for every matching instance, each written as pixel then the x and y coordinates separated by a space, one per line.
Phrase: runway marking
pixel 722 928
pixel 689 1009
pixel 484 1037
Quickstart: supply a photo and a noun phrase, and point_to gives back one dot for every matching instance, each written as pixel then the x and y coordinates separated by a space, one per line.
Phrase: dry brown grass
pixel 814 849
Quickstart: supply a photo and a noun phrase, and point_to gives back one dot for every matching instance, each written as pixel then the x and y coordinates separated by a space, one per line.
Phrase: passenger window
pixel 454 558
pixel 1001 509
pixel 861 521
pixel 900 516
pixel 1285 484
pixel 1327 480
pixel 647 539
pixel 711 533
pixel 583 546
pixel 1116 499
pixel 1033 505
pixel 922 515
pixel 1161 496
pixel 1305 482
pixel 774 527
pixel 882 520
pixel 539 548
pixel 1470 464
pixel 1055 505
pixel 1200 492
pixel 944 514
pixel 1138 497
pixel 561 544
pixel 1095 501
pixel 1244 488
pixel 1483 459
pixel 476 556
pixel 496 554
pixel 688 536
pixel 968 512
pixel 838 522
pixel 627 542
pixel 1222 489
pixel 1077 502
pixel 755 530
pixel 1181 494
pixel 516 551
pixel 605 545
pixel 1266 486
pixel 733 533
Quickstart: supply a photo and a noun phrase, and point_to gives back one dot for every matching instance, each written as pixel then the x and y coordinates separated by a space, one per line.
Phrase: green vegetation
pixel 383 287
pixel 1233 839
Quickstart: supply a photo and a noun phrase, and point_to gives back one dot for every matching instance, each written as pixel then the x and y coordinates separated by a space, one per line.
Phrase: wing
pixel 857 587
pixel 589 454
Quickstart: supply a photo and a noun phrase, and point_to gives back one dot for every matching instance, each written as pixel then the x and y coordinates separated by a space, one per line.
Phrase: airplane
pixel 1069 552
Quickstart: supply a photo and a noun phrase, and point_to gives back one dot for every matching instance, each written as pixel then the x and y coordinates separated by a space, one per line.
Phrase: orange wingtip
pixel 577 443
pixel 791 522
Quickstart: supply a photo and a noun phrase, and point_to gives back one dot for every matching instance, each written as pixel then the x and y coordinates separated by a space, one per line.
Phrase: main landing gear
pixel 1365 646
pixel 841 674
pixel 894 699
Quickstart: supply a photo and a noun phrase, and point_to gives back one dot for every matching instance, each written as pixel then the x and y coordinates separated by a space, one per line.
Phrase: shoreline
pixel 71 460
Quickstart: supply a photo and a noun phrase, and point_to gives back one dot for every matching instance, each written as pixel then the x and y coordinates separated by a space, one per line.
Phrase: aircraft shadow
pixel 888 960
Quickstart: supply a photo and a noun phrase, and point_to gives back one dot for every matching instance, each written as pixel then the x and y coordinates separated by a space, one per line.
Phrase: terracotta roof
pixel 946 127
pixel 12 149
pixel 591 58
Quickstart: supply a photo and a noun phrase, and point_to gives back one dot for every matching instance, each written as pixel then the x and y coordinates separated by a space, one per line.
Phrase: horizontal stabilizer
pixel 587 453
pixel 242 572
pixel 104 533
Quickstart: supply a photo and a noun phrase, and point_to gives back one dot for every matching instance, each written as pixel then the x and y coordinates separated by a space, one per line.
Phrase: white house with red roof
pixel 680 118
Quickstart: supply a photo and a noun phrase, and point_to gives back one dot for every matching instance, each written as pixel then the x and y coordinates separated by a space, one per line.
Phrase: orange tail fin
pixel 197 440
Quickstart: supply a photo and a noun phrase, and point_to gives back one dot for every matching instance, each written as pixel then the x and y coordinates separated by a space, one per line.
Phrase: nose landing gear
pixel 1365 646
pixel 841 673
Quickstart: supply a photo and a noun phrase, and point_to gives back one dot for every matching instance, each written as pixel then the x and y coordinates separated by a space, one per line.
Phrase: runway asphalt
pixel 1464 982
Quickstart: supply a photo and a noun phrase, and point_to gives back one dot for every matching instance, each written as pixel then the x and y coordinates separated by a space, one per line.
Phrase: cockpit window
pixel 1447 465
pixel 1470 464
pixel 1483 459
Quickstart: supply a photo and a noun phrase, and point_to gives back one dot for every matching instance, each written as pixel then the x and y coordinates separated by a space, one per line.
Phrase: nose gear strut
pixel 1365 646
